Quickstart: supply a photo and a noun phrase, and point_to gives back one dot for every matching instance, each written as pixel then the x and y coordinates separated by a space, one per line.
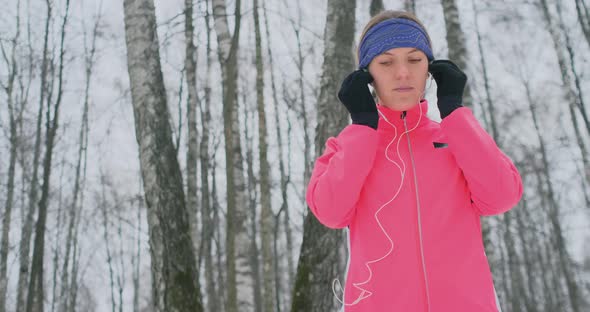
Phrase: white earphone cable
pixel 403 172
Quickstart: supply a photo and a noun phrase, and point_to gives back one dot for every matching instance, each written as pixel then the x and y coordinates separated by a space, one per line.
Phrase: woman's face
pixel 400 77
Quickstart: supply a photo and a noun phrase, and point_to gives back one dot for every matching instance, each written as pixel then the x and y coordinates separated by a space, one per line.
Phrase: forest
pixel 155 155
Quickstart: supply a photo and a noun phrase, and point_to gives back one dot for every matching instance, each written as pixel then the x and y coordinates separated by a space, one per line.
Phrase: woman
pixel 411 191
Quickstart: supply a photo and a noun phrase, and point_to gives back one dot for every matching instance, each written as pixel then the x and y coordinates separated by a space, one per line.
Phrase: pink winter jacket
pixel 415 242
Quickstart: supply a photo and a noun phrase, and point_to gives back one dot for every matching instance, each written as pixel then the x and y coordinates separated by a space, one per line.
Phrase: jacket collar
pixel 413 116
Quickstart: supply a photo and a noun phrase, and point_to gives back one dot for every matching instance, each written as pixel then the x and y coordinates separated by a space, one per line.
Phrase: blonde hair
pixel 385 15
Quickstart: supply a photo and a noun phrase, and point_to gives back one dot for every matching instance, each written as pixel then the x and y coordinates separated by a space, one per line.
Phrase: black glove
pixel 355 95
pixel 450 81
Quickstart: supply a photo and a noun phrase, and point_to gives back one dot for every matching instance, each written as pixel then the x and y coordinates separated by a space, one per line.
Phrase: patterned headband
pixel 393 33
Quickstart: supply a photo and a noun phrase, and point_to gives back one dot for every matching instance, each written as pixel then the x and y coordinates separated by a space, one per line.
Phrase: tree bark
pixel 252 186
pixel 221 278
pixel 105 224
pixel 518 294
pixel 56 247
pixel 237 239
pixel 190 65
pixel 284 179
pixel 377 6
pixel 456 43
pixel 410 6
pixel 521 228
pixel 576 101
pixel 584 18
pixel 136 258
pixel 213 300
pixel 75 206
pixel 13 115
pixel 36 293
pixel 319 256
pixel 266 215
pixel 175 285
pixel 27 228
pixel 557 238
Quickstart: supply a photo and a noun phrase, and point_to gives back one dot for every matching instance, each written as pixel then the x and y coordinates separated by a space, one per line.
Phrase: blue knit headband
pixel 393 33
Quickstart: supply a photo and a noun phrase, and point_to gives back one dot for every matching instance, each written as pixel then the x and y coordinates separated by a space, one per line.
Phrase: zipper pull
pixel 403 115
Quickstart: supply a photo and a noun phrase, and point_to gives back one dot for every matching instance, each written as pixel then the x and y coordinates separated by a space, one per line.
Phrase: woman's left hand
pixel 450 81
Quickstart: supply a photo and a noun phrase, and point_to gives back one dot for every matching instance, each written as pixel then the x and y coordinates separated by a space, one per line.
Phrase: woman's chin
pixel 400 105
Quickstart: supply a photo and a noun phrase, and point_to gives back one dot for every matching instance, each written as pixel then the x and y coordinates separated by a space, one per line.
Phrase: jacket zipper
pixel 418 207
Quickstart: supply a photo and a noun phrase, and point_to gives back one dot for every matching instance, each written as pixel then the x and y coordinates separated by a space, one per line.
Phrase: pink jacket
pixel 412 194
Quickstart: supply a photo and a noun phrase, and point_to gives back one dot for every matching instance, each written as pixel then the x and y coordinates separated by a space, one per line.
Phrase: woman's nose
pixel 402 71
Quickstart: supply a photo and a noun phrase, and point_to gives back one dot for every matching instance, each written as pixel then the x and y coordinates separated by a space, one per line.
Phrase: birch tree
pixel 456 42
pixel 410 6
pixel 237 239
pixel 376 7
pixel 584 18
pixel 252 186
pixel 266 214
pixel 175 284
pixel 284 178
pixel 32 200
pixel 213 300
pixel 319 257
pixel 80 173
pixel 15 118
pixel 558 239
pixel 36 292
pixel 190 66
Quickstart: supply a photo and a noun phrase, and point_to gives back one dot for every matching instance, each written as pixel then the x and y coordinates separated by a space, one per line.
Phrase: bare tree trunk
pixel 27 228
pixel 552 29
pixel 456 42
pixel 121 270
pixel 307 158
pixel 175 284
pixel 56 247
pixel 410 6
pixel 284 178
pixel 75 206
pixel 73 294
pixel 13 114
pixel 237 240
pixel 319 256
pixel 544 257
pixel 252 185
pixel 487 223
pixel 491 109
pixel 266 215
pixel 557 238
pixel 136 258
pixel 531 290
pixel 105 224
pixel 190 65
pixel 73 289
pixel 35 298
pixel 502 272
pixel 377 6
pixel 518 295
pixel 579 103
pixel 57 297
pixel 584 18
pixel 221 285
pixel 213 300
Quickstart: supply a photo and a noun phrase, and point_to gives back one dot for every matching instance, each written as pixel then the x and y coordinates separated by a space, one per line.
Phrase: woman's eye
pixel 415 60
pixel 385 62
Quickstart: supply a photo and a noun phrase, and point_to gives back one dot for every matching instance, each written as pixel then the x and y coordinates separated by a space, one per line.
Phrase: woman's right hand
pixel 356 97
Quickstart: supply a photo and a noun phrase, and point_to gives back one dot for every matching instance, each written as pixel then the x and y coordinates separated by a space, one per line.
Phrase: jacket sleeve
pixel 339 174
pixel 492 178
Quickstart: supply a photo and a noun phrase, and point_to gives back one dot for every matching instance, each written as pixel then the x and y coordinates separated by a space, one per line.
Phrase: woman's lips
pixel 404 89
